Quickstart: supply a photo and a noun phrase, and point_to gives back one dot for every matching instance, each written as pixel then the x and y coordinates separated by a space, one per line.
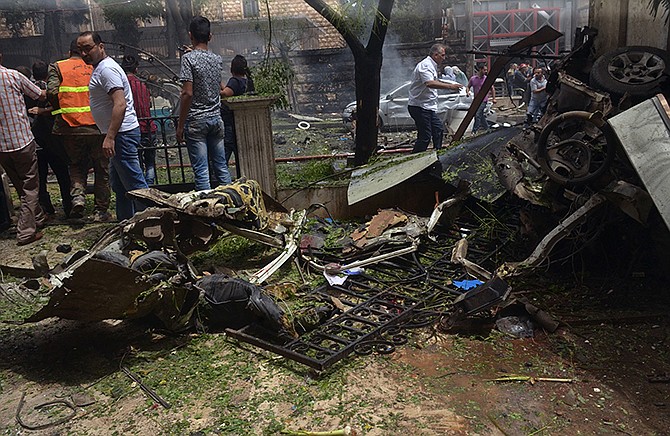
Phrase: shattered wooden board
pixel 645 135
pixel 380 176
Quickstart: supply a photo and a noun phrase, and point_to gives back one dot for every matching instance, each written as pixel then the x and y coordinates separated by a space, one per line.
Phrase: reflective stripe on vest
pixel 73 95
pixel 73 89
pixel 72 110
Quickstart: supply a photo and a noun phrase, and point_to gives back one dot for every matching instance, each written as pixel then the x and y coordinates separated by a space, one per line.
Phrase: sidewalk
pixel 508 111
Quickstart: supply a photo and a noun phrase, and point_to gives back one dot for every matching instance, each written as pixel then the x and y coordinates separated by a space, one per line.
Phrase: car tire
pixel 636 70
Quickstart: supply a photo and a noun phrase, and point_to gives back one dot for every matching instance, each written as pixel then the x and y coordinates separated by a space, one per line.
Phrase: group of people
pixel 425 83
pixel 423 96
pixel 205 125
pixel 84 117
pixel 90 111
pixel 454 74
pixel 532 85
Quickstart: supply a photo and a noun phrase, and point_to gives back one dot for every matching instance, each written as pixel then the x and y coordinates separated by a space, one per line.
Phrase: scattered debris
pixel 516 326
pixel 150 392
pixel 66 403
pixel 346 431
pixel 532 380
pixel 398 270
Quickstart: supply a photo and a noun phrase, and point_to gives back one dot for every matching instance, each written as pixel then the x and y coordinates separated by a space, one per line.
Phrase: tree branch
pixel 339 23
pixel 380 25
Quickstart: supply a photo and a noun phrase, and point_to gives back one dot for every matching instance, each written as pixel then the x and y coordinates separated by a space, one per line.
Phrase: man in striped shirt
pixel 18 150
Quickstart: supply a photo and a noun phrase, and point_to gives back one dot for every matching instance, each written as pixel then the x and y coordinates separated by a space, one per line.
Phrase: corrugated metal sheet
pixel 370 180
pixel 644 132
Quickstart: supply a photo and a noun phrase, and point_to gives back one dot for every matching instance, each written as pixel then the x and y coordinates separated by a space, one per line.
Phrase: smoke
pixel 398 62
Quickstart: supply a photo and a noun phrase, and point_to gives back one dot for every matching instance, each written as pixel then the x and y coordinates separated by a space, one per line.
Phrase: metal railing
pixel 172 159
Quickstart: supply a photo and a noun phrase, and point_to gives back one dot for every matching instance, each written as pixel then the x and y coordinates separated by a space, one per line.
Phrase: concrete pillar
pixel 254 140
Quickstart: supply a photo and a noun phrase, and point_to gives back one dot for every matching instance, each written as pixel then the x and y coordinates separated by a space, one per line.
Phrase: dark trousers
pixel 50 153
pixel 428 126
pixel 230 141
pixel 5 218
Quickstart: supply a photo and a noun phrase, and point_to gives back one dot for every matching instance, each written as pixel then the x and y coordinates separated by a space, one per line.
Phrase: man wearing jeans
pixel 113 111
pixel 538 96
pixel 423 97
pixel 148 129
pixel 200 121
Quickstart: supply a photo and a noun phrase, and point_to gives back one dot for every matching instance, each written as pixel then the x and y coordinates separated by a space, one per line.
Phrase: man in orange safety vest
pixel 67 90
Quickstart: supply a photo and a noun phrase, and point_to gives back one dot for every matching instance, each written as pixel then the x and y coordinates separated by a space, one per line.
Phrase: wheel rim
pixel 636 67
pixel 574 148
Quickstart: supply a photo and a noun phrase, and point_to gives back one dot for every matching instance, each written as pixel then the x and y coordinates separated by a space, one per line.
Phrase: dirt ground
pixel 609 361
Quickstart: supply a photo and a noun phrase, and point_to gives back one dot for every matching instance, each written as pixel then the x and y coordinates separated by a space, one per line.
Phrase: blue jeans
pixel 480 119
pixel 428 125
pixel 125 173
pixel 535 108
pixel 148 156
pixel 204 142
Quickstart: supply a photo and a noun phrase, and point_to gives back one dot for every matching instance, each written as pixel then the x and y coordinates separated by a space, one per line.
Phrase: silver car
pixel 451 108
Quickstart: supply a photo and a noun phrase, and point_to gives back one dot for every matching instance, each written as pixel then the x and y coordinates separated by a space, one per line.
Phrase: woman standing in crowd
pixel 240 83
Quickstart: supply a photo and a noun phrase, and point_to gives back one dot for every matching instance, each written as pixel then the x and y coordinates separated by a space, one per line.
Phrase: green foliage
pixel 358 15
pixel 124 17
pixel 17 302
pixel 413 19
pixel 18 14
pixel 232 250
pixel 294 175
pixel 271 78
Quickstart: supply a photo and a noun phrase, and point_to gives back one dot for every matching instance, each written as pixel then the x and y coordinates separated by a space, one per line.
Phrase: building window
pixel 250 8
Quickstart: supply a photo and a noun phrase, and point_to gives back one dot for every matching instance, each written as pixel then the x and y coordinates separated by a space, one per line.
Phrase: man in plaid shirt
pixel 18 150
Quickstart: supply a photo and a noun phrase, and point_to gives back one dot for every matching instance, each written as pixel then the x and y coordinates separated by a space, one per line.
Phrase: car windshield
pixel 395 89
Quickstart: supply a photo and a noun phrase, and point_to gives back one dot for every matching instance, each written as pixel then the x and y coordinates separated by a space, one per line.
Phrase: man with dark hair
pixel 50 151
pixel 148 129
pixel 475 84
pixel 67 89
pixel 114 113
pixel 423 98
pixel 18 150
pixel 200 124
pixel 538 96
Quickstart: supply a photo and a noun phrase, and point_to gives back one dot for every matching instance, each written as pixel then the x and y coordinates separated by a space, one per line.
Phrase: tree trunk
pixel 178 22
pixel 367 71
pixel 51 41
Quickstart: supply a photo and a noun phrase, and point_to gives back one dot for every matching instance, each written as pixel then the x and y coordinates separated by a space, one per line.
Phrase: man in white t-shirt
pixel 423 98
pixel 113 111
pixel 538 96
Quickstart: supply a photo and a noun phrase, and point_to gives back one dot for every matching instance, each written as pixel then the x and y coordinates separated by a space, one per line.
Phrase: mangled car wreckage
pixel 602 141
